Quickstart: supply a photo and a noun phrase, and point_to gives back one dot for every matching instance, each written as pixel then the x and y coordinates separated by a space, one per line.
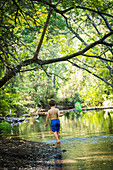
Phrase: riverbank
pixel 21 154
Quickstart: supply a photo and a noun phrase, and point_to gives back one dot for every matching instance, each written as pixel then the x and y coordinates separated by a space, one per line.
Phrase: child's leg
pixel 56 136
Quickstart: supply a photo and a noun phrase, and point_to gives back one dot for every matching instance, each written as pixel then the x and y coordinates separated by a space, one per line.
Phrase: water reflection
pixel 86 124
pixel 86 138
pixel 58 160
pixel 89 152
pixel 72 126
pixel 94 152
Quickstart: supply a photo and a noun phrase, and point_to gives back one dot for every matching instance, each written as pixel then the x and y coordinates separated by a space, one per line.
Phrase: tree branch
pixel 66 10
pixel 17 69
pixel 76 34
pixel 62 78
pixel 45 71
pixel 93 56
pixel 106 21
pixel 43 34
pixel 84 63
pixel 12 72
pixel 106 36
pixel 98 30
pixel 29 69
pixel 107 44
pixel 98 12
pixel 91 73
pixel 93 23
pixel 20 11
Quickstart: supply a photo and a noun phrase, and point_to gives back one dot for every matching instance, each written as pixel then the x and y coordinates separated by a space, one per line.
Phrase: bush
pixel 5 126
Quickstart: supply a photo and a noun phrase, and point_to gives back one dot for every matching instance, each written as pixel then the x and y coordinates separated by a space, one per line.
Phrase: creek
pixel 86 139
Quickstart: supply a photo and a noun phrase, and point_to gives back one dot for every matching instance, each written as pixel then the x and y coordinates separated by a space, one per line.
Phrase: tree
pixel 89 22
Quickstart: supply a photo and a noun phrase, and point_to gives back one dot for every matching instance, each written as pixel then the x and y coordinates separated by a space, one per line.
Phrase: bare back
pixel 54 113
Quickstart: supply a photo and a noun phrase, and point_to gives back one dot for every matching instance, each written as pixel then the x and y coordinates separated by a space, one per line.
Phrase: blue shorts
pixel 55 125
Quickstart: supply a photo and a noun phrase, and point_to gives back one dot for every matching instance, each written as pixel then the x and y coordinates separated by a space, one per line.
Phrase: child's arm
pixel 60 115
pixel 47 118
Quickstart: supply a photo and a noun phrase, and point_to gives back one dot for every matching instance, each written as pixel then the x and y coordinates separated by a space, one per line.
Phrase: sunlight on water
pixel 86 139
pixel 72 126
pixel 87 152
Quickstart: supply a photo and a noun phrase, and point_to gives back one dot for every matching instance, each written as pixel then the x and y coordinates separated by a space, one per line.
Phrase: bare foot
pixel 58 142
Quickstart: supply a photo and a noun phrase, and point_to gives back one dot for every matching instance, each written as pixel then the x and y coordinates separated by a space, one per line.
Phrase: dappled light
pixel 61 50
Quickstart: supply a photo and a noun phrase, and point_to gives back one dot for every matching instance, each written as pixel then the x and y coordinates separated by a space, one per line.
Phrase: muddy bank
pixel 21 154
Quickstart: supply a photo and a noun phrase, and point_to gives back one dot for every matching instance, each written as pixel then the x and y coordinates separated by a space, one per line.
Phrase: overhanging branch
pixel 17 69
pixel 70 8
pixel 93 56
pixel 98 12
pixel 43 34
pixel 81 52
pixel 91 73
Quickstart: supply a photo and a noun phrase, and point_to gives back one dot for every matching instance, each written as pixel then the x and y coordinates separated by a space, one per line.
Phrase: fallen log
pixel 83 110
pixel 97 108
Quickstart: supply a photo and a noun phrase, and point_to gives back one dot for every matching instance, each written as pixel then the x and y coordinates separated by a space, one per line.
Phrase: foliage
pixel 7 101
pixel 24 27
pixel 54 49
pixel 5 126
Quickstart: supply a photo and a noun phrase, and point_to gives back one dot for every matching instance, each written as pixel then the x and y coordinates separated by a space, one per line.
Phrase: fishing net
pixel 78 106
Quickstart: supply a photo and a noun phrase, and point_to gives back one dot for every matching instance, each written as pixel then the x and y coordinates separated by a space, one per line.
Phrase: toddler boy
pixel 54 113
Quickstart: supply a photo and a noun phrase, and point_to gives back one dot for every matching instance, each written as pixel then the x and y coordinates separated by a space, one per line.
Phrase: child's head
pixel 52 102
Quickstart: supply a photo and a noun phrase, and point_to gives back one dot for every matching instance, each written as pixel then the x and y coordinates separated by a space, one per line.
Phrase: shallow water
pixel 88 153
pixel 86 140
